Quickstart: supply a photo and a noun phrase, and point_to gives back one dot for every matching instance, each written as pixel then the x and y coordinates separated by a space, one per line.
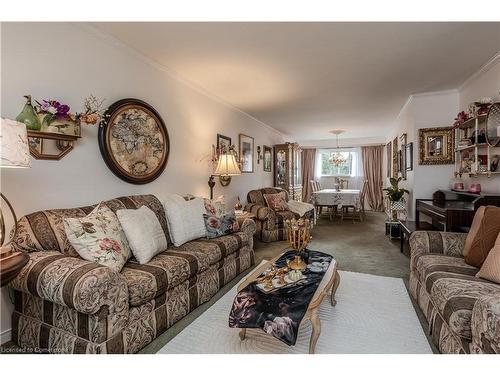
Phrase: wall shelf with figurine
pixel 53 129
pixel 477 140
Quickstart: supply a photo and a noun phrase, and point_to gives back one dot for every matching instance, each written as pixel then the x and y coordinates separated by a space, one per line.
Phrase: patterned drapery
pixel 372 170
pixel 308 166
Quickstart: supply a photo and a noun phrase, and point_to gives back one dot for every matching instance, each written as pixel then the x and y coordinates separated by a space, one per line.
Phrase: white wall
pixel 70 61
pixel 427 110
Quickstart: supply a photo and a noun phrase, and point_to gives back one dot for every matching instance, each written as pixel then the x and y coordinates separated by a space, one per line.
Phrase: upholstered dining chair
pixel 315 186
pixel 344 183
pixel 355 212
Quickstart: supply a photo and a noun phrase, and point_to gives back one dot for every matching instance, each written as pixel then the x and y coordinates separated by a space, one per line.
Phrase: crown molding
pixel 483 69
pixel 423 95
pixel 109 39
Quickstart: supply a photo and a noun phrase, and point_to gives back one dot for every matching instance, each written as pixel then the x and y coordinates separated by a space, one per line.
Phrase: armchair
pixel 270 223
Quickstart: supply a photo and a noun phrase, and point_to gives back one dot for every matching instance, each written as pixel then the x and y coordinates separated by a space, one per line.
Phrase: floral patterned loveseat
pixel 463 311
pixel 64 304
pixel 270 223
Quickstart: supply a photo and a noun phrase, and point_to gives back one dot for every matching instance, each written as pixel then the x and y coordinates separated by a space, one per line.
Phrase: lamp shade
pixel 227 166
pixel 14 149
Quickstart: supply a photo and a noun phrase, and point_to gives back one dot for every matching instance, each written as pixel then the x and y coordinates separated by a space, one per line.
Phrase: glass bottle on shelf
pixel 28 116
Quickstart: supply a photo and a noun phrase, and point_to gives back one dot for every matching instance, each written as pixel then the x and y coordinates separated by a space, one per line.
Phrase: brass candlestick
pixel 299 237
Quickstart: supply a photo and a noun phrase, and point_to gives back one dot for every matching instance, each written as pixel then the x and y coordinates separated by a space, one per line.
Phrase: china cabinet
pixel 288 169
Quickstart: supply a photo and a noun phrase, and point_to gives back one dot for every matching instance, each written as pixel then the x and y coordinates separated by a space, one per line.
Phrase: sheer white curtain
pixel 356 177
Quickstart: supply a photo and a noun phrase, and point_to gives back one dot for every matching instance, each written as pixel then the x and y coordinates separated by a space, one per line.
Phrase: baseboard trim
pixel 5 336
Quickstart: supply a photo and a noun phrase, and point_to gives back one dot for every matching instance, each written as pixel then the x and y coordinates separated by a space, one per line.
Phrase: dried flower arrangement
pixel 93 110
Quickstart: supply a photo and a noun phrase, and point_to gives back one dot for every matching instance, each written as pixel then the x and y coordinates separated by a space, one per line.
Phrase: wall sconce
pixel 227 166
pixel 258 154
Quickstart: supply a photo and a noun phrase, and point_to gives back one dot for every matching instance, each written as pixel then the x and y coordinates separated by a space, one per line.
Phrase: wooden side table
pixel 10 264
pixel 407 227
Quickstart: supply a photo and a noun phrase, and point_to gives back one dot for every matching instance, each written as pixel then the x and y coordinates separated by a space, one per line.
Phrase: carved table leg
pixel 334 288
pixel 316 331
pixel 243 334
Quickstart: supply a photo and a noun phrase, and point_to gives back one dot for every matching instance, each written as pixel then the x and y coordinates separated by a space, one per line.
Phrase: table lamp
pixel 227 166
pixel 14 153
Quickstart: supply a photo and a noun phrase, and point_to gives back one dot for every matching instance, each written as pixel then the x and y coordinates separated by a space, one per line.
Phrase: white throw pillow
pixel 99 237
pixel 144 233
pixel 184 219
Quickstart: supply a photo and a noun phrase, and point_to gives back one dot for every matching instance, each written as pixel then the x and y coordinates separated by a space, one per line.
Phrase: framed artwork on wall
pixel 409 156
pixel 436 146
pixel 395 157
pixel 223 143
pixel 388 150
pixel 134 141
pixel 268 159
pixel 246 149
pixel 402 154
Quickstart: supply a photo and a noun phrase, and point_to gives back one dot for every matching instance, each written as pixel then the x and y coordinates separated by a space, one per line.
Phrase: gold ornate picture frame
pixel 436 146
pixel 395 157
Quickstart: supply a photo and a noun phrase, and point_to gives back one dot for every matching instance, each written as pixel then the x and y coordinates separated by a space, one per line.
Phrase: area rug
pixel 374 314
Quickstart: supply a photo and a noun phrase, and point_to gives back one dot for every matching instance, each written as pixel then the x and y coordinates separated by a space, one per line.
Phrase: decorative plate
pixel 134 141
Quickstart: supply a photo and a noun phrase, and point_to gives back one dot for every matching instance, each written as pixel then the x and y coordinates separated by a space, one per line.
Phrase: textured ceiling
pixel 305 79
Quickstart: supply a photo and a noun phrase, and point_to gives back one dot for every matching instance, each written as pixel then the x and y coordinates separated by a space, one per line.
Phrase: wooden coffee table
pixel 328 286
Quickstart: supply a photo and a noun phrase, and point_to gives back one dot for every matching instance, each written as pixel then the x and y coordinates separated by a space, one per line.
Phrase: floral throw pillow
pixel 99 237
pixel 277 201
pixel 220 226
pixel 215 207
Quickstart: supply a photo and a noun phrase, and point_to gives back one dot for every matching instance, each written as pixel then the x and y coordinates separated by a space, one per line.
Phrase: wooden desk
pixel 451 211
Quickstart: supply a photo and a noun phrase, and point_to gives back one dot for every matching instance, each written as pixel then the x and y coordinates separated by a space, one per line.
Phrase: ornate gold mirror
pixel 436 146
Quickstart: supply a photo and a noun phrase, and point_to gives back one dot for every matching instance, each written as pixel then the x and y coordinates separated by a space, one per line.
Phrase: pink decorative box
pixel 475 188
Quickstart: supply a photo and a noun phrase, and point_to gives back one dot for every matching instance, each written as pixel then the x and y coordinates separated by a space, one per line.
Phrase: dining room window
pixel 326 168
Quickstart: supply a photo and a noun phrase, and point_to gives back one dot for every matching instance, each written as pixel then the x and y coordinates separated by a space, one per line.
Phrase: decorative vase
pixel 396 206
pixel 238 205
pixel 28 116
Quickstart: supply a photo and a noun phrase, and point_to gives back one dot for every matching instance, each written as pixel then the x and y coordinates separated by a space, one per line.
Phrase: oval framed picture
pixel 133 141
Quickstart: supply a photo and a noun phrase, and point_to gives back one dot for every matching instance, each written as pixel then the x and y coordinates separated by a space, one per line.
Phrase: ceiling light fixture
pixel 337 159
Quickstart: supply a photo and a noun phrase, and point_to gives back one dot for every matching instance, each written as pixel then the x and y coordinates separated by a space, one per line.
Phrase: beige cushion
pixel 99 237
pixel 482 235
pixel 144 233
pixel 276 202
pixel 491 266
pixel 184 218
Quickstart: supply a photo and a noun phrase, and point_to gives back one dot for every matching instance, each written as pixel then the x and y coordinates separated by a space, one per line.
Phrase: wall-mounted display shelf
pixel 473 155
pixel 62 145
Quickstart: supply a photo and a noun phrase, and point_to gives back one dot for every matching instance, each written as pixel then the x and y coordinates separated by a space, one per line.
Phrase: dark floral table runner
pixel 280 312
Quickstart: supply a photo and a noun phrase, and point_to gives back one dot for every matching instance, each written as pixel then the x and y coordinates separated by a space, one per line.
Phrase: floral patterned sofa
pixel 64 304
pixel 270 223
pixel 463 311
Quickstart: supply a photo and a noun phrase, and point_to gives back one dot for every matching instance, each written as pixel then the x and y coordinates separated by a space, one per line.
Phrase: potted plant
pixel 395 195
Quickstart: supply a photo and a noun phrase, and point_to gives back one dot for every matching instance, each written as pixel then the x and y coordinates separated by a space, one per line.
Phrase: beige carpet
pixel 374 314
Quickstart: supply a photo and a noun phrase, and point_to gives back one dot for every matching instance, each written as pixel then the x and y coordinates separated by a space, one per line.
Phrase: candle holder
pixel 299 237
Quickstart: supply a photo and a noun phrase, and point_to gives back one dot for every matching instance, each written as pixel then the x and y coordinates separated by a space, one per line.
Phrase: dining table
pixel 334 197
